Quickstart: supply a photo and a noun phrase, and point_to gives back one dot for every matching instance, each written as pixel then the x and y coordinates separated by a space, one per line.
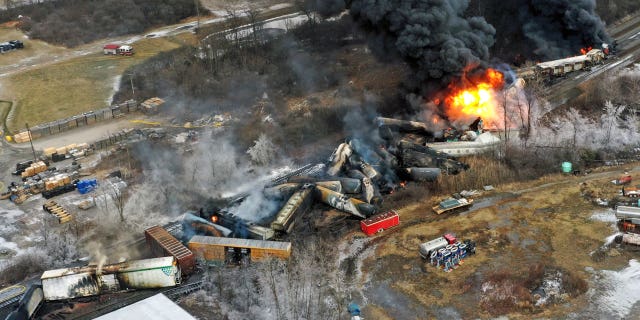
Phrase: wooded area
pixel 74 22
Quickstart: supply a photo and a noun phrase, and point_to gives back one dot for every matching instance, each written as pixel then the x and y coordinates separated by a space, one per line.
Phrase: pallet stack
pixel 58 211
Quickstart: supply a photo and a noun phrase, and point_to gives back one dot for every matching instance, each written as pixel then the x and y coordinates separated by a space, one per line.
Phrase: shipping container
pixel 380 222
pixel 162 244
pixel 216 249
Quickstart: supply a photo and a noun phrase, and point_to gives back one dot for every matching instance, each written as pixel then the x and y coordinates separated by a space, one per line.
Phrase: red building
pixel 379 223
pixel 111 49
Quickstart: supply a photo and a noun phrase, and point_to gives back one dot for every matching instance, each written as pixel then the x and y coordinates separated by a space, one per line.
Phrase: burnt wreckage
pixel 353 180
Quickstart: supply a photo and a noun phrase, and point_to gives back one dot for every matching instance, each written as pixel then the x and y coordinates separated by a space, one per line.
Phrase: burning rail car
pixel 358 172
pixel 561 67
pixel 70 283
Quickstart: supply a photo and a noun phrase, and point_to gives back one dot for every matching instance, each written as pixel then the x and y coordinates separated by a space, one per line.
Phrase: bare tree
pixel 254 15
pixel 308 8
pixel 263 152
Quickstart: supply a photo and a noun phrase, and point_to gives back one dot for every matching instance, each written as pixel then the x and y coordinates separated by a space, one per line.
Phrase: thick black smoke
pixel 559 28
pixel 435 36
pixel 432 36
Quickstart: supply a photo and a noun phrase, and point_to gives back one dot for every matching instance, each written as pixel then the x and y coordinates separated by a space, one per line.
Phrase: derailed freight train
pixel 70 283
pixel 28 304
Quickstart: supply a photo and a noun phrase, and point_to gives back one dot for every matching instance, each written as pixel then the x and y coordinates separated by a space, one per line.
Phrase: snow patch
pixel 11 215
pixel 4 244
pixel 280 6
pixel 619 290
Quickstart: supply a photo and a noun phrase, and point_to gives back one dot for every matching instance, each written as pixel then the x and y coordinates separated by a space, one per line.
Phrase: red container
pixel 163 244
pixel 451 239
pixel 379 223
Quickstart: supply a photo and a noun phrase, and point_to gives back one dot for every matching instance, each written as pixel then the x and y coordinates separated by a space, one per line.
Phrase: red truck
pixel 624 179
pixel 380 222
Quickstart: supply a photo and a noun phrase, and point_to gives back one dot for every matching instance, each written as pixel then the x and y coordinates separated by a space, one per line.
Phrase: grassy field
pixel 5 107
pixel 33 48
pixel 73 86
pixel 543 222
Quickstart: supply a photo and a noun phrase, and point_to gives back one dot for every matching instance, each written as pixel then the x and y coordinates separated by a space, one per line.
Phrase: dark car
pixel 5 46
pixel 16 44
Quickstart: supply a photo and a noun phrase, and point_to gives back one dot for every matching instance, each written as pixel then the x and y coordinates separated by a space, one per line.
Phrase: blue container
pixel 86 186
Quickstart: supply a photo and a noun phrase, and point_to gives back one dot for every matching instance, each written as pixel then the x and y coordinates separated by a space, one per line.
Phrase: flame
pixel 214 219
pixel 584 51
pixel 474 96
pixel 403 184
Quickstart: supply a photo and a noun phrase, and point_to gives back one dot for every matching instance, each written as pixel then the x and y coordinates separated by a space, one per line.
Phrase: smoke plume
pixel 433 37
pixel 560 28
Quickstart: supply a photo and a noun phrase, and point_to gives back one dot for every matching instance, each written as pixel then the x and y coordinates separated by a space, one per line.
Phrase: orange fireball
pixel 476 97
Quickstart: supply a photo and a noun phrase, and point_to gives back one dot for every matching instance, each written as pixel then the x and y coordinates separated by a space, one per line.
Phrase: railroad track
pixel 175 293
pixel 133 297
pixel 11 295
pixel 309 169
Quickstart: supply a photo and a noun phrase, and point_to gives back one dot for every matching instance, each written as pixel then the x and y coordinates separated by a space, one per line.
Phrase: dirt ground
pixel 545 222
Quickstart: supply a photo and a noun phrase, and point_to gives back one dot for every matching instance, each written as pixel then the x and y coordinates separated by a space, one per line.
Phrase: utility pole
pixel 31 142
pixel 133 91
pixel 197 4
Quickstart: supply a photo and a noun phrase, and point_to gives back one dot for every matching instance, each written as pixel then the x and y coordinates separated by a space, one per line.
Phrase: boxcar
pixel 163 244
pixel 230 250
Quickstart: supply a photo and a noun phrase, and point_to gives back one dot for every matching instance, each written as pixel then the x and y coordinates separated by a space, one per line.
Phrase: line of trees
pixel 74 22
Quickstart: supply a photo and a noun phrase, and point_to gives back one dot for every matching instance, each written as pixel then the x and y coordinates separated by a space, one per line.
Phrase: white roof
pixel 125 47
pixel 562 62
pixel 158 307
